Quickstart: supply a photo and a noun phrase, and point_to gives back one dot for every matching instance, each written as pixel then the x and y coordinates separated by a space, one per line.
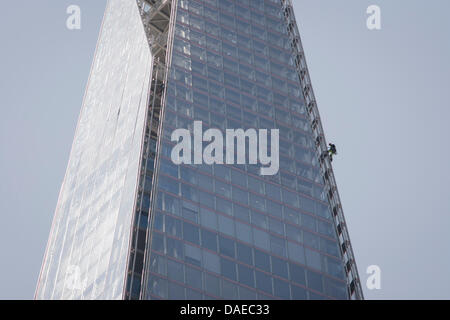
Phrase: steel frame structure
pixel 158 18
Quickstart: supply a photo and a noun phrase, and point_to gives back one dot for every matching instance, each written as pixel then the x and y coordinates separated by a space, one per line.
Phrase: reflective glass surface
pixel 225 231
pixel 88 245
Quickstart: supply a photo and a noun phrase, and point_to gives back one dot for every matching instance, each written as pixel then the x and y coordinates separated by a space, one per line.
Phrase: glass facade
pixel 225 231
pixel 88 244
pixel 138 226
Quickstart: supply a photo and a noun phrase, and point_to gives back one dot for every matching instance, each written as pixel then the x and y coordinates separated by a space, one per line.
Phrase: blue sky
pixel 383 98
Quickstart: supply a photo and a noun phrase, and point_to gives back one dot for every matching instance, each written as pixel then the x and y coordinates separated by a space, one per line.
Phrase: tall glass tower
pixel 132 224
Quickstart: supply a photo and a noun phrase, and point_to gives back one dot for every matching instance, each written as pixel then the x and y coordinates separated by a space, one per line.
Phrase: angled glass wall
pixel 225 231
pixel 87 251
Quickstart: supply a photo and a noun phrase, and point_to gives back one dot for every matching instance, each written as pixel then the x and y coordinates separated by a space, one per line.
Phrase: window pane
pixel 173 226
pixel 276 226
pixel 244 254
pixel 261 239
pixel 194 278
pixel 226 247
pixel 259 220
pixel 244 232
pixel 263 282
pixel 209 240
pixel 246 294
pixel 176 292
pixel 193 255
pixel 175 271
pixel 211 262
pixel 241 212
pixel 246 275
pixel 298 293
pixel 279 267
pixel 191 233
pixel 313 259
pixel 315 281
pixel 296 252
pixel 297 274
pixel 175 248
pixel 281 289
pixel 208 219
pixel 229 290
pixel 262 260
pixel 226 225
pixel 228 268
pixel 212 285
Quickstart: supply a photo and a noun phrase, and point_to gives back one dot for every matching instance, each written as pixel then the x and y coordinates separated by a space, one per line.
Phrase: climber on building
pixel 332 151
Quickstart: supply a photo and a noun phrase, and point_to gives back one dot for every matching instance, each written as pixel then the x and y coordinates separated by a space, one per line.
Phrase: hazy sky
pixel 384 101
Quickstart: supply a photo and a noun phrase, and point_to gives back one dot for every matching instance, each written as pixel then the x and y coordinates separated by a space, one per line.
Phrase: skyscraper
pixel 131 223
